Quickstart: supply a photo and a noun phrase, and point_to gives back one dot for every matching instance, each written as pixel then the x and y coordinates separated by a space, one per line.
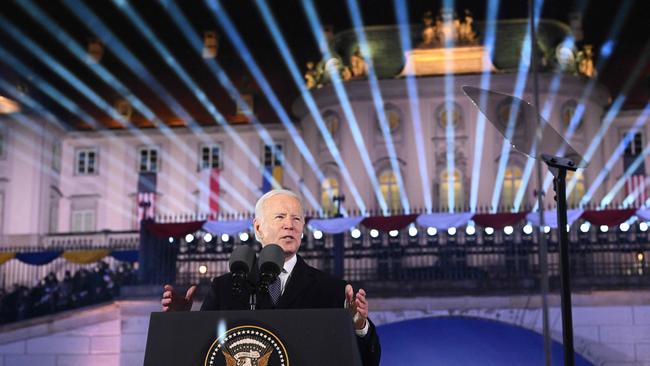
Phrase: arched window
pixel 511 183
pixel 390 189
pixel 456 185
pixel 329 189
pixel 578 191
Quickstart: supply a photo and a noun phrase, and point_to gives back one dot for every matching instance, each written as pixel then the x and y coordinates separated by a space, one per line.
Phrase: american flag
pixel 636 190
pixel 146 199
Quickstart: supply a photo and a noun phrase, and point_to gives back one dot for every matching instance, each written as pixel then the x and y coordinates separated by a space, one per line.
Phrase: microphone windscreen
pixel 242 258
pixel 271 259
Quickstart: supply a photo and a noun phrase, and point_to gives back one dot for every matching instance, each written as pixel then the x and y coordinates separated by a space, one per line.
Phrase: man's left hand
pixel 357 305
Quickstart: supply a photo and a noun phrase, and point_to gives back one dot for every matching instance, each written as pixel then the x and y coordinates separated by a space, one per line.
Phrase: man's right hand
pixel 175 301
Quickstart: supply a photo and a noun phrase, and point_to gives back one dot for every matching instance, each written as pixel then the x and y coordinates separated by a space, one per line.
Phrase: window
pixel 2 144
pixel 394 118
pixel 445 115
pixel 210 157
pixel 568 112
pixel 83 213
pixel 53 219
pixel 148 160
pixel 332 122
pixel 83 221
pixel 573 200
pixel 635 147
pixel 456 186
pixel 511 183
pixel 56 156
pixel 390 189
pixel 86 161
pixel 329 189
pixel 271 157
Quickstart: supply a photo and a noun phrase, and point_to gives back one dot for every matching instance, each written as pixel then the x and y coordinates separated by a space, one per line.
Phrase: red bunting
pixel 388 223
pixel 174 230
pixel 499 220
pixel 608 217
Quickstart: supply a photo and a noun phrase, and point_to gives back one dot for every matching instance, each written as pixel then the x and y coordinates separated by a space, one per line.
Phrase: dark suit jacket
pixel 307 288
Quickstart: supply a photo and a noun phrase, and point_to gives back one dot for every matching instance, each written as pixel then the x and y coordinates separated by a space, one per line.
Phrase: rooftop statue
pixel 448 30
pixel 312 76
pixel 585 61
pixel 358 65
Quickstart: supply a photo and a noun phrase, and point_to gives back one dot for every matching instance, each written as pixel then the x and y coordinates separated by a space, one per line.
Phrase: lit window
pixel 390 189
pixel 444 115
pixel 329 189
pixel 511 183
pixel 210 157
pixel 578 190
pixel 148 160
pixel 457 187
pixel 86 161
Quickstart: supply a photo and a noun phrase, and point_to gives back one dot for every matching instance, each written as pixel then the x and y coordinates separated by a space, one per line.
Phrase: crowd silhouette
pixel 50 295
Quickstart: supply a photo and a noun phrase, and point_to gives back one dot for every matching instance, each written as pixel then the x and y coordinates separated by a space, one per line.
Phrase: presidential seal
pixel 247 345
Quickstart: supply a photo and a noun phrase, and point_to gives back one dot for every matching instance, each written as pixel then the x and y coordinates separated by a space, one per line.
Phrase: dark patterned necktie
pixel 275 290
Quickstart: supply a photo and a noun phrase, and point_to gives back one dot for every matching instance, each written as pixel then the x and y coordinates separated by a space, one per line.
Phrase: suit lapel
pixel 298 281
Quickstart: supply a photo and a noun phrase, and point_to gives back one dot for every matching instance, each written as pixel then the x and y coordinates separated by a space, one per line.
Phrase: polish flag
pixel 209 191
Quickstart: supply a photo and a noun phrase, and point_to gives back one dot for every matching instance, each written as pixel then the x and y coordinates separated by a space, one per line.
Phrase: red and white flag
pixel 636 189
pixel 209 191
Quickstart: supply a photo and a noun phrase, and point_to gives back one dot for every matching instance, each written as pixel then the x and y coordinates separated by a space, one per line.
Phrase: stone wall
pixel 110 335
pixel 610 328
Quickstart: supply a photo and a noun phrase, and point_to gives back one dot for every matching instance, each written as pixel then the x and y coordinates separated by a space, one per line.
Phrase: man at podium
pixel 279 219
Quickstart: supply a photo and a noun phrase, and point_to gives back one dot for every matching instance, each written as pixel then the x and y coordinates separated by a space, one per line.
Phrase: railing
pixel 419 264
pixel 407 264
pixel 15 272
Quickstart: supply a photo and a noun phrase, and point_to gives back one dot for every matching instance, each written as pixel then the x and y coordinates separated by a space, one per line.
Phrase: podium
pixel 263 337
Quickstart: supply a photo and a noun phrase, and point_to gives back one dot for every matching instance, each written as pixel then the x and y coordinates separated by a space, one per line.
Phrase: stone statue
pixel 358 65
pixel 429 34
pixel 346 73
pixel 450 27
pixel 466 32
pixel 311 76
pixel 585 61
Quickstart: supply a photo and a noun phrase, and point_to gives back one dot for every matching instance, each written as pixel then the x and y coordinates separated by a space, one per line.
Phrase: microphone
pixel 270 262
pixel 241 262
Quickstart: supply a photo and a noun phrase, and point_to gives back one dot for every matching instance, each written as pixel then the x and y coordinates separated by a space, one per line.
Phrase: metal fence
pixel 410 262
pixel 405 263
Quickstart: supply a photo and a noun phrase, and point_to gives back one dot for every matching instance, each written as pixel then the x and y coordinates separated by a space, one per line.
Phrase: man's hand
pixel 357 305
pixel 175 301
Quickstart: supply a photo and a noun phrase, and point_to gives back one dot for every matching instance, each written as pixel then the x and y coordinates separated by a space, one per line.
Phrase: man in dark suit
pixel 279 219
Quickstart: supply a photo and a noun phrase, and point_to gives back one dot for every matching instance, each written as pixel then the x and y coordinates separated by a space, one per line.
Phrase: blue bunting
pixel 130 256
pixel 38 258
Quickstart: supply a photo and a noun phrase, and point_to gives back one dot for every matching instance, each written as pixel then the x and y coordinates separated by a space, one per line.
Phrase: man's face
pixel 281 223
